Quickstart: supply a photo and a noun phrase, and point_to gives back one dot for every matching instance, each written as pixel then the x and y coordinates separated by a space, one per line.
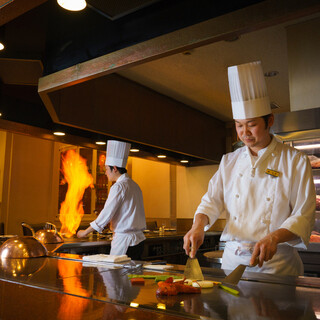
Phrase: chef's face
pixel 110 174
pixel 254 133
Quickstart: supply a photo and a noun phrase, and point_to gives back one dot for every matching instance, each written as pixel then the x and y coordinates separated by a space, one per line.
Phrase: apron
pixel 122 241
pixel 286 261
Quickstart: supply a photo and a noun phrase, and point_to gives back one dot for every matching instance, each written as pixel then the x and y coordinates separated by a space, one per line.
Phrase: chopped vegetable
pixel 157 278
pixel 204 284
pixel 233 291
pixel 137 281
pixel 144 276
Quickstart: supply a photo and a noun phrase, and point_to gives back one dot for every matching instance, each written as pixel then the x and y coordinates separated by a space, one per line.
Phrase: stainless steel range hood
pixel 297 125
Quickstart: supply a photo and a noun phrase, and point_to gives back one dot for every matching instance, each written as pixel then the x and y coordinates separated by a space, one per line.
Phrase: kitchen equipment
pixel 21 268
pixel 46 236
pixel 22 247
pixel 230 282
pixel 5 237
pixel 192 269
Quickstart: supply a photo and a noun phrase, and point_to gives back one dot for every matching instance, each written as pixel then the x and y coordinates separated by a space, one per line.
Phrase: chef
pixel 124 208
pixel 265 188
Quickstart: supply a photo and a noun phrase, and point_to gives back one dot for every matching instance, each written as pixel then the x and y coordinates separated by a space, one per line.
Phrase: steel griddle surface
pixel 259 295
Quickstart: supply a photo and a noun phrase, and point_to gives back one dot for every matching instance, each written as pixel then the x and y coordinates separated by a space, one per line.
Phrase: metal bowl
pixel 21 268
pixel 22 247
pixel 48 236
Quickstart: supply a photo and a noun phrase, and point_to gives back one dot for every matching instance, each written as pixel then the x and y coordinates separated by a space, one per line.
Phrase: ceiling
pixel 198 77
pixel 46 41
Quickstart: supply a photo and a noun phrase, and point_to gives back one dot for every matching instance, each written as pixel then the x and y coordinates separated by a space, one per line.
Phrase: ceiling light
pixel 161 156
pixel 59 133
pixel 308 146
pixel 134 150
pixel 316 181
pixel 270 74
pixel 134 304
pixel 0 114
pixel 184 161
pixel 1 46
pixel 72 5
pixel 101 143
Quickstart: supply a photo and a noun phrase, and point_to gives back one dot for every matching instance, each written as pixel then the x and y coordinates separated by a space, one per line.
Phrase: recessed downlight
pixel 72 5
pixel 1 46
pixel 161 156
pixel 184 161
pixel 134 150
pixel 100 143
pixel 59 133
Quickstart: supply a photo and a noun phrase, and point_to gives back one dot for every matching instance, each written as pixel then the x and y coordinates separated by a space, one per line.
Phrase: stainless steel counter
pixel 265 296
pixel 167 246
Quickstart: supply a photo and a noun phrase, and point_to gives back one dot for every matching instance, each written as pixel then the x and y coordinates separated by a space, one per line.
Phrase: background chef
pixel 124 208
pixel 265 188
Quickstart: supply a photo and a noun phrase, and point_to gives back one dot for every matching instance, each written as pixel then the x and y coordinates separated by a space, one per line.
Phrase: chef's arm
pixel 266 248
pixel 84 233
pixel 195 236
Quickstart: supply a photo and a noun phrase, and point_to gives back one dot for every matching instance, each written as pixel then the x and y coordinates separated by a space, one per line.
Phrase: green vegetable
pixel 157 278
pixel 164 278
pixel 144 276
pixel 233 291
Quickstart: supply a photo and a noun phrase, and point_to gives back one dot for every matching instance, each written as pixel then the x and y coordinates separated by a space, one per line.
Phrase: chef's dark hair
pixel 266 119
pixel 121 170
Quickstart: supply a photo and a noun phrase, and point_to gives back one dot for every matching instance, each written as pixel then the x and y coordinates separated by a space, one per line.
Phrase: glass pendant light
pixel 72 5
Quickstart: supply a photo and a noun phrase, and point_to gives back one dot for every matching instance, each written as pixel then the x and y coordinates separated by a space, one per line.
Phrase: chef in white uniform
pixel 124 208
pixel 265 188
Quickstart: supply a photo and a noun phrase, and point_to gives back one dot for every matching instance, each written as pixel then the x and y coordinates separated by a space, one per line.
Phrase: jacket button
pixel 237 196
pixel 268 199
pixel 234 218
pixel 240 174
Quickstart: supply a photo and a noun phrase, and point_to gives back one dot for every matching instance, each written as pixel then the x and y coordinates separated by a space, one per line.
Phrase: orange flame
pixel 70 274
pixel 76 174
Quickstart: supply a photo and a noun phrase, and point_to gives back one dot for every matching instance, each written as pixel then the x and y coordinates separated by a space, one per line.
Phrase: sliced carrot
pixel 137 281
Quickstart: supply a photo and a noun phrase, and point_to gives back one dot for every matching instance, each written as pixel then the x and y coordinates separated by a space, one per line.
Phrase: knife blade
pixel 192 269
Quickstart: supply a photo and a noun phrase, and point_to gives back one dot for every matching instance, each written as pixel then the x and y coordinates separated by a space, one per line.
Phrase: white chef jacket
pixel 125 210
pixel 257 203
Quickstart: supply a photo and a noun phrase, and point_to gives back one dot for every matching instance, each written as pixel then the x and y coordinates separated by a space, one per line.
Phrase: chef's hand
pixel 81 234
pixel 266 248
pixel 84 233
pixel 195 236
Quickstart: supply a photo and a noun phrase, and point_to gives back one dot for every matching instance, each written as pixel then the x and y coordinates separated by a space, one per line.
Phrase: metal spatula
pixel 235 276
pixel 230 282
pixel 192 269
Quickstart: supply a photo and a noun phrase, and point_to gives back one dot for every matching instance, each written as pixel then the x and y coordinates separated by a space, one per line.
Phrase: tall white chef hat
pixel 117 153
pixel 248 91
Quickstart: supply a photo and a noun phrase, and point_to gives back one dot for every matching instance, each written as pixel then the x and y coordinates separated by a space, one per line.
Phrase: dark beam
pixel 261 15
pixel 121 108
pixel 16 8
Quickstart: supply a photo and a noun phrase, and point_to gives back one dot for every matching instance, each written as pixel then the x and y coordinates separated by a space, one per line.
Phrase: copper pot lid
pixel 46 236
pixel 22 247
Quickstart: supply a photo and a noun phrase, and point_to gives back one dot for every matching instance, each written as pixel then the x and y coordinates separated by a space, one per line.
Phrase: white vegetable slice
pixel 188 282
pixel 203 284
